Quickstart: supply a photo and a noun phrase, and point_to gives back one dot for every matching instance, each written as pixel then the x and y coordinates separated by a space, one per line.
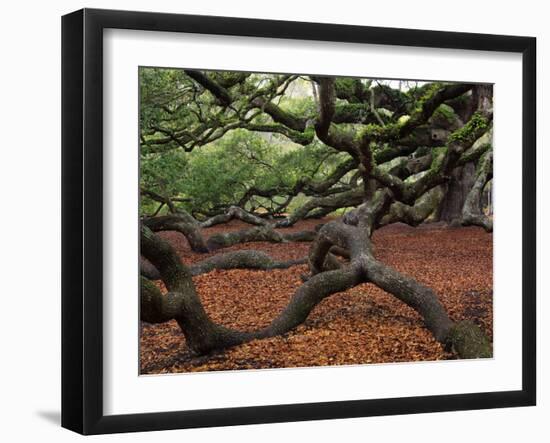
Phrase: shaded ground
pixel 361 325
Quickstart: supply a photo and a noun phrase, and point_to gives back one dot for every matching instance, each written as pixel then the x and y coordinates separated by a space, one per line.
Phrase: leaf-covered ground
pixel 361 325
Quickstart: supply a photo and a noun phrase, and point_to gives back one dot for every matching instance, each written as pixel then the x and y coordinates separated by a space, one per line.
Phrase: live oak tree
pixel 271 150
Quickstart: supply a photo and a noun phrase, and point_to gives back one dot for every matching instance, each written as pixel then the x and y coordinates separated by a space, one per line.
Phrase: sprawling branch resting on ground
pixel 203 335
pixel 183 223
pixel 183 304
pixel 244 259
pixel 260 233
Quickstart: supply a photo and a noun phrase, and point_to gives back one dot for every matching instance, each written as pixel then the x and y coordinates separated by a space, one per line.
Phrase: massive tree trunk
pixel 458 187
pixel 472 213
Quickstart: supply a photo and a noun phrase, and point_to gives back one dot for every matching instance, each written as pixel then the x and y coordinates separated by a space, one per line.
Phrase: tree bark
pixel 148 270
pixel 186 225
pixel 234 212
pixel 462 180
pixel 472 213
pixel 247 259
pixel 257 234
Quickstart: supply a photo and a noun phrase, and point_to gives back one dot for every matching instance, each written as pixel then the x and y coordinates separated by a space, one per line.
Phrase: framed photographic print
pixel 269 221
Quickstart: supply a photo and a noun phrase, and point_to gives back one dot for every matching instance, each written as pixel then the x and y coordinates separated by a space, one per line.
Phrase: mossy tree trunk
pixel 458 187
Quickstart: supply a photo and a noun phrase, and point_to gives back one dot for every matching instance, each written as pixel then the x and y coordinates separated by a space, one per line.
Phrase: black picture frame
pixel 82 218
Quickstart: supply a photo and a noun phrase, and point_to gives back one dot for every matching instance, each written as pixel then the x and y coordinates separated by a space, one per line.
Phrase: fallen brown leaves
pixel 361 325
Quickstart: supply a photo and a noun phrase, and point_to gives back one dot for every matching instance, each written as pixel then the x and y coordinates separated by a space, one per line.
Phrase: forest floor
pixel 361 325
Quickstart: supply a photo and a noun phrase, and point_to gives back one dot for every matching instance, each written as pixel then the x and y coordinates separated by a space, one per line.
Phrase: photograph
pixel 296 220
